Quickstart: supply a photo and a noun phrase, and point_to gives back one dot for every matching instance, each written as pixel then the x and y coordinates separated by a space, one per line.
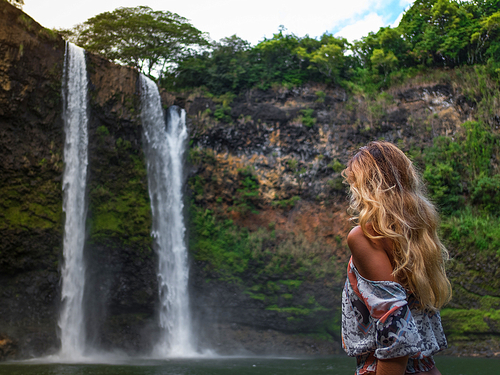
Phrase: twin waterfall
pixel 71 319
pixel 164 148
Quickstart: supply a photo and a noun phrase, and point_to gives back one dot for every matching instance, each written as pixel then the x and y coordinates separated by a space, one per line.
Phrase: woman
pixel 396 277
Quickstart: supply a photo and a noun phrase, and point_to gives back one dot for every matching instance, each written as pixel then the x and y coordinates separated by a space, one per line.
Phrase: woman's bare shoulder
pixel 369 256
pixel 359 243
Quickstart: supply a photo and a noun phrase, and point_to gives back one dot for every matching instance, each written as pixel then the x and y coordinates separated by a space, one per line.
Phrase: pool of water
pixel 339 365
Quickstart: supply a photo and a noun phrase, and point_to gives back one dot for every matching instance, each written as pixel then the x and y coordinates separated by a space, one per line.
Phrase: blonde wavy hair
pixel 387 192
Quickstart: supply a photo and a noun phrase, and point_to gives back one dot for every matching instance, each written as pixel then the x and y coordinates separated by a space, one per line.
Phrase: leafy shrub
pixel 231 250
pixel 286 203
pixel 220 243
pixel 102 131
pixel 337 184
pixel 247 195
pixel 321 96
pixel 223 113
pixel 444 184
pixel 469 230
pixel 486 193
pixel 456 169
pixel 306 118
pixel 337 166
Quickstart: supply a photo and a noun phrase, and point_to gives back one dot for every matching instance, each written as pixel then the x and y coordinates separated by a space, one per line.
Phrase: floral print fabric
pixel 381 320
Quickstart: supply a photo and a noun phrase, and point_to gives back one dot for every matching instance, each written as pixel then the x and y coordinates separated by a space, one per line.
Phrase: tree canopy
pixel 233 65
pixel 432 33
pixel 140 37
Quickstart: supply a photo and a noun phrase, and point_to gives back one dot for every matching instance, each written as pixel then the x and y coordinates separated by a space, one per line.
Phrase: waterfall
pixel 71 320
pixel 164 149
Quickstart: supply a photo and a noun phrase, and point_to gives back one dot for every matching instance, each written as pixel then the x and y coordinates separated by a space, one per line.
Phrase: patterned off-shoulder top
pixel 382 320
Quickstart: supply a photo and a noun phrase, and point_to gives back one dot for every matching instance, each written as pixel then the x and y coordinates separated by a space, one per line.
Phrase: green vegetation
pixel 234 253
pixel 321 96
pixel 26 21
pixel 48 34
pixel 286 203
pixel 337 166
pixel 223 113
pixel 247 196
pixel 102 131
pixel 473 231
pixel 31 215
pixel 307 117
pixel 460 171
pixel 232 65
pixel 220 243
pixel 284 298
pixel 31 204
pixel 139 37
pixel 461 324
pixel 119 209
pixel 432 33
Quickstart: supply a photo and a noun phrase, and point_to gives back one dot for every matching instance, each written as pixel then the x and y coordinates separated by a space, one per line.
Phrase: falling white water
pixel 164 148
pixel 71 320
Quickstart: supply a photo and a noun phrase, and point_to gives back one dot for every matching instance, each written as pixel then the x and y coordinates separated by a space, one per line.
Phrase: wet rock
pixel 262 112
pixel 8 349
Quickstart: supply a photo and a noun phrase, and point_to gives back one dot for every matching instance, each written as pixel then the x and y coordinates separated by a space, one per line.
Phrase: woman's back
pixel 396 280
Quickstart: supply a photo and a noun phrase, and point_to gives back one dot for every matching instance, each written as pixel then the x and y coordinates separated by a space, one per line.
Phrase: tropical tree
pixel 363 49
pixel 329 58
pixel 384 61
pixel 390 48
pixel 488 33
pixel 277 59
pixel 140 37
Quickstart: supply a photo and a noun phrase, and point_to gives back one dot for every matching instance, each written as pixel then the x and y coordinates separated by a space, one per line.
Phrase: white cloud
pixel 406 4
pixel 249 20
pixel 397 20
pixel 372 22
pixel 261 18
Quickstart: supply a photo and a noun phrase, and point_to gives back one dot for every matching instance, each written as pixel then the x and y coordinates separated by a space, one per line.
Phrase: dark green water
pixel 238 366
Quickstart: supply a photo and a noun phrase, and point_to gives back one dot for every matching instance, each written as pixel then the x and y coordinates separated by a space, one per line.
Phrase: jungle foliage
pixel 140 37
pixel 463 179
pixel 232 65
pixel 432 33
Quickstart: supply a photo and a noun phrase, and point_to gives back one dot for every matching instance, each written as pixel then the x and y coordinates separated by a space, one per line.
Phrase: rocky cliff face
pixel 31 141
pixel 294 143
pixel 121 293
pixel 265 204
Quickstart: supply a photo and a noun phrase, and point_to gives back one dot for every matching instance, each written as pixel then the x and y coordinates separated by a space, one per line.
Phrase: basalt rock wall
pixel 294 143
pixel 121 292
pixel 31 143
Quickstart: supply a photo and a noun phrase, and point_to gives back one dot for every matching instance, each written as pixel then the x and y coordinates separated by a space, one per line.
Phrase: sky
pixel 251 20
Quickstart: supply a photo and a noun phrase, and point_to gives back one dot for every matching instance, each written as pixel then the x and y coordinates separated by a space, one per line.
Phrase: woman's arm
pixel 370 256
pixel 372 262
pixel 393 366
